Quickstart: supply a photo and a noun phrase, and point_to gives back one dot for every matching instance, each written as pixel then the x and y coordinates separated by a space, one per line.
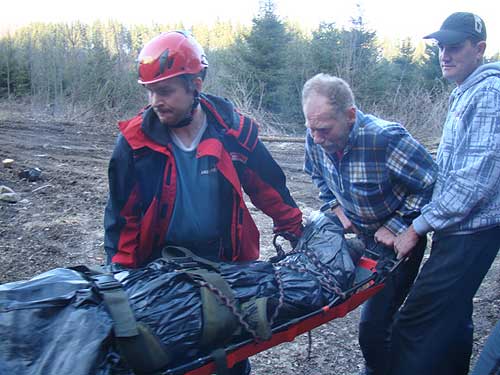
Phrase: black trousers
pixel 241 368
pixel 377 315
pixel 432 334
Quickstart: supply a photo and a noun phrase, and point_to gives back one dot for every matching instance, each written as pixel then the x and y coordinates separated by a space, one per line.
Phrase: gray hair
pixel 335 89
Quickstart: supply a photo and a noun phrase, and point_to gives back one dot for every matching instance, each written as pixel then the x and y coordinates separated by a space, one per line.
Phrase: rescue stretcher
pixel 371 273
pixel 182 314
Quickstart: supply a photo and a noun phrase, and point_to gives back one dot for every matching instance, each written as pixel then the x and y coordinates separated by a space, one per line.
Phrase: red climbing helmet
pixel 169 55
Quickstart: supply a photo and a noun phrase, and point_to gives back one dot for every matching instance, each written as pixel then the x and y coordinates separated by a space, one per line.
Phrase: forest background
pixel 88 71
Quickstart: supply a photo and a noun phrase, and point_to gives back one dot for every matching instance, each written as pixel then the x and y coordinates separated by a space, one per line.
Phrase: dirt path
pixel 58 223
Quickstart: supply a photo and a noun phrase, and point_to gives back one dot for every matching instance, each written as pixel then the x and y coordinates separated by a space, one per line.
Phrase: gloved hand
pixel 280 253
pixel 292 238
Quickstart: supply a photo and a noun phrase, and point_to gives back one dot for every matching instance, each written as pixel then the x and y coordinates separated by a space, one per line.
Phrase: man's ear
pixel 351 114
pixel 481 47
pixel 198 84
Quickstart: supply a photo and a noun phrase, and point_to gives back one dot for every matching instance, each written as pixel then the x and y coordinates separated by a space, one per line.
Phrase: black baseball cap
pixel 459 27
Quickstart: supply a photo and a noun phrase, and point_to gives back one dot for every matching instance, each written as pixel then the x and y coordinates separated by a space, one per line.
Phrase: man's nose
pixel 317 138
pixel 154 98
pixel 445 55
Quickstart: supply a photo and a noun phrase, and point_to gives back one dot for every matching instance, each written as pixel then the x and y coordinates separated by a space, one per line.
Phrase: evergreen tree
pixel 430 71
pixel 360 62
pixel 325 47
pixel 404 72
pixel 6 67
pixel 266 57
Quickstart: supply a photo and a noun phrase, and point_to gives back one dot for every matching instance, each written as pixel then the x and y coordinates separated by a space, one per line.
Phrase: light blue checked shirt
pixel 466 197
pixel 384 177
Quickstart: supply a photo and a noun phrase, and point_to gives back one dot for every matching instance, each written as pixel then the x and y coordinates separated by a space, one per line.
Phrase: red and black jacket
pixel 142 184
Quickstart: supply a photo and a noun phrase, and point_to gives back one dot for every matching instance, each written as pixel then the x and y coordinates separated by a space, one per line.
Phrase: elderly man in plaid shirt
pixel 375 177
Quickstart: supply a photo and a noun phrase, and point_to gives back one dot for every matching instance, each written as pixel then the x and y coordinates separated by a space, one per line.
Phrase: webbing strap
pixel 221 312
pixel 124 323
pixel 219 356
pixel 144 353
pixel 219 323
pixel 256 314
pixel 181 255
pixel 216 280
pixel 140 348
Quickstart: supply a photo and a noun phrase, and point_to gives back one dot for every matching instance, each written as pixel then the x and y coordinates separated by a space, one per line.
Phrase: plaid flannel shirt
pixel 383 178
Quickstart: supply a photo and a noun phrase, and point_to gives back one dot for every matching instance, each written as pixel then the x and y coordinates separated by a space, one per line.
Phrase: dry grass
pixel 421 112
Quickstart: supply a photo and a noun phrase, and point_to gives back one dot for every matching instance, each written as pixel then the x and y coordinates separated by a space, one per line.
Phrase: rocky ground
pixel 57 222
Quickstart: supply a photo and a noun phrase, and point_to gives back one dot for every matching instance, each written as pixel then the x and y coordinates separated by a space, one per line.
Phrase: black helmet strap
pixel 189 118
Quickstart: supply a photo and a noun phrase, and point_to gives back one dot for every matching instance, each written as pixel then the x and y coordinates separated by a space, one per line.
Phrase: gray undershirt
pixel 196 215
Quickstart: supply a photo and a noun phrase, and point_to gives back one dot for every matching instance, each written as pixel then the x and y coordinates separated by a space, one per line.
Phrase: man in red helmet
pixel 179 169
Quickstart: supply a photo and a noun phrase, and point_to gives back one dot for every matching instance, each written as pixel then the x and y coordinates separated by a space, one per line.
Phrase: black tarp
pixel 57 322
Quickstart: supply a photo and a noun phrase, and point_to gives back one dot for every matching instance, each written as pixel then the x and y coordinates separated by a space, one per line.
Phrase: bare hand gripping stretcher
pixel 182 314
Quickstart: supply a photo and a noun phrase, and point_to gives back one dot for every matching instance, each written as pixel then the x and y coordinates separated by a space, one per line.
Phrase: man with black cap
pixel 433 330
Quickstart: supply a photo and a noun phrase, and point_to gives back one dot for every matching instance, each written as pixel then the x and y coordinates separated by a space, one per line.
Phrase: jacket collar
pixel 221 117
pixel 483 71
pixel 353 135
pixel 154 129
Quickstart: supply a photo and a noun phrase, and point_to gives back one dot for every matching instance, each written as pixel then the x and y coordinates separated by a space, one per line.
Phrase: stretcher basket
pixel 369 280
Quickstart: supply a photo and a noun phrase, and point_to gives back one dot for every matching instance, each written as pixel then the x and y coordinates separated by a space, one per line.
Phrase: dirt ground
pixel 58 222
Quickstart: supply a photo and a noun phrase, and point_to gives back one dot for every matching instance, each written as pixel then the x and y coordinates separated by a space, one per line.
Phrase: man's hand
pixel 405 242
pixel 349 227
pixel 385 237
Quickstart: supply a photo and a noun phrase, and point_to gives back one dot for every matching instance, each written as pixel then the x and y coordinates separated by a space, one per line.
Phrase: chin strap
pixel 189 118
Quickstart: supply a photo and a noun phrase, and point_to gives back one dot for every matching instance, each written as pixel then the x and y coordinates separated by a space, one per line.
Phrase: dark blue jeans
pixel 489 359
pixel 432 334
pixel 378 313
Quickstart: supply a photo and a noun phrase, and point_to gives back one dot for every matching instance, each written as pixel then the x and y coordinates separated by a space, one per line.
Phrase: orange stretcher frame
pixel 364 291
